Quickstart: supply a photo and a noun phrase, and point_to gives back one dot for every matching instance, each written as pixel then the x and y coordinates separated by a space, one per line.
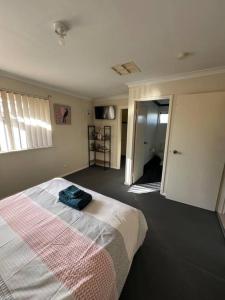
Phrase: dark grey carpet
pixel 152 171
pixel 183 256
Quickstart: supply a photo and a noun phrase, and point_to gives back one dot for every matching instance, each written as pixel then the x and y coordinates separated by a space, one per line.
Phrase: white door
pixel 139 147
pixel 196 149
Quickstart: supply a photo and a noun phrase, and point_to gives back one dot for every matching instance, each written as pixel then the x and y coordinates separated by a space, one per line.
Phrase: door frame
pixel 120 108
pixel 220 205
pixel 167 140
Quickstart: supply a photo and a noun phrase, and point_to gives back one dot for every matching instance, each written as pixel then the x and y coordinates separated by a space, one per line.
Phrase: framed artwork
pixel 62 114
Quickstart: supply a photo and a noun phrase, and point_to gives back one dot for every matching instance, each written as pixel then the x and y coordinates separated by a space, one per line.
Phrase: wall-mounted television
pixel 105 112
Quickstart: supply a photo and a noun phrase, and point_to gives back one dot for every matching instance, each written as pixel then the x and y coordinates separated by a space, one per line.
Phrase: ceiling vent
pixel 126 69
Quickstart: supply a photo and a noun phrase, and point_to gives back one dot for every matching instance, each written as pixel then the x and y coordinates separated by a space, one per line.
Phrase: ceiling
pixel 105 33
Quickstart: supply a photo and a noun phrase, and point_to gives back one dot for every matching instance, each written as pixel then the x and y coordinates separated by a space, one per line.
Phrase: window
pixel 163 118
pixel 24 122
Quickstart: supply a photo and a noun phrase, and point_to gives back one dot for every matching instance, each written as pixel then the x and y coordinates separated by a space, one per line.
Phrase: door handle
pixel 145 143
pixel 176 152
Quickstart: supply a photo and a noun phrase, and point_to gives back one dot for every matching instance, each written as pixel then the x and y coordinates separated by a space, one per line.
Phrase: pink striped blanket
pixel 51 251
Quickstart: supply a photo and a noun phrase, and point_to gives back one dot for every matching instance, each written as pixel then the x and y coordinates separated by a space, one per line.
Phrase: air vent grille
pixel 126 69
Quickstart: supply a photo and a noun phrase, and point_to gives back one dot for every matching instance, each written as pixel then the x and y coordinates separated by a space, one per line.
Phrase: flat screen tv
pixel 105 112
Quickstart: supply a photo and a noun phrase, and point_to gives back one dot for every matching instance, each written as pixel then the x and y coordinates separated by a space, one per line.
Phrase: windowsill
pixel 24 150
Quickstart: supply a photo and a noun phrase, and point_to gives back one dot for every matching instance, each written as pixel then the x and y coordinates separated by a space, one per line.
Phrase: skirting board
pixel 112 167
pixel 82 168
pixel 73 171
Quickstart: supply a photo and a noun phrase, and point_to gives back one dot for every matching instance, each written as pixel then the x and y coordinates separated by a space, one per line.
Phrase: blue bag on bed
pixel 74 197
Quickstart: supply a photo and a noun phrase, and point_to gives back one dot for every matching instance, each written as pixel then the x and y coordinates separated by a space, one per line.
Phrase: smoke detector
pixel 61 29
pixel 127 68
pixel 183 55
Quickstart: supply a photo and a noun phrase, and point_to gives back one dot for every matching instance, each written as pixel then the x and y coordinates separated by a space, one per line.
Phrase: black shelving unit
pixel 99 146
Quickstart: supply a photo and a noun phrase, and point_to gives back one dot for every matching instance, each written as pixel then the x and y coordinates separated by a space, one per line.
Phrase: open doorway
pixel 150 141
pixel 124 120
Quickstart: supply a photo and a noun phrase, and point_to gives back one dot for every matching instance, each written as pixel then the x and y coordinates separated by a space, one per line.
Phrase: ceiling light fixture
pixel 61 29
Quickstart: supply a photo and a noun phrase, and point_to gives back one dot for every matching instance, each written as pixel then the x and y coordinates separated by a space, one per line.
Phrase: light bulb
pixel 61 29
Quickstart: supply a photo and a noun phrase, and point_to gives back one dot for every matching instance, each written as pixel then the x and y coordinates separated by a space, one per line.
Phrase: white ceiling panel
pixel 105 33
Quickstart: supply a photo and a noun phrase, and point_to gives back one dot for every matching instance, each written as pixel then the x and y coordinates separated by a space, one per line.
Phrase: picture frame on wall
pixel 62 114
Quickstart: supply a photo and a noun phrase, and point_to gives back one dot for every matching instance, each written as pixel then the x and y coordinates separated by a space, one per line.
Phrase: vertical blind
pixel 24 122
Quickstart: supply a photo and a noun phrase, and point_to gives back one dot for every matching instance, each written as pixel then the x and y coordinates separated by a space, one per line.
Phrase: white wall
pixel 115 124
pixel 24 169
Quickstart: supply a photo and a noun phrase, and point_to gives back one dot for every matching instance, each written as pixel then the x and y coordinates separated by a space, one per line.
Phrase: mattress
pixel 51 251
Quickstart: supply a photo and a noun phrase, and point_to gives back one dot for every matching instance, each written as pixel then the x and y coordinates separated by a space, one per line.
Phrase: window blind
pixel 24 122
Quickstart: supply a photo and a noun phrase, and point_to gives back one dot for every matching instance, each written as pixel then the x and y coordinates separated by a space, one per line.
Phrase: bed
pixel 51 251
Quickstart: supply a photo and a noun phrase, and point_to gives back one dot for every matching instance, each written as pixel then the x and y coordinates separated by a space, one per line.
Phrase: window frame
pixel 163 113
